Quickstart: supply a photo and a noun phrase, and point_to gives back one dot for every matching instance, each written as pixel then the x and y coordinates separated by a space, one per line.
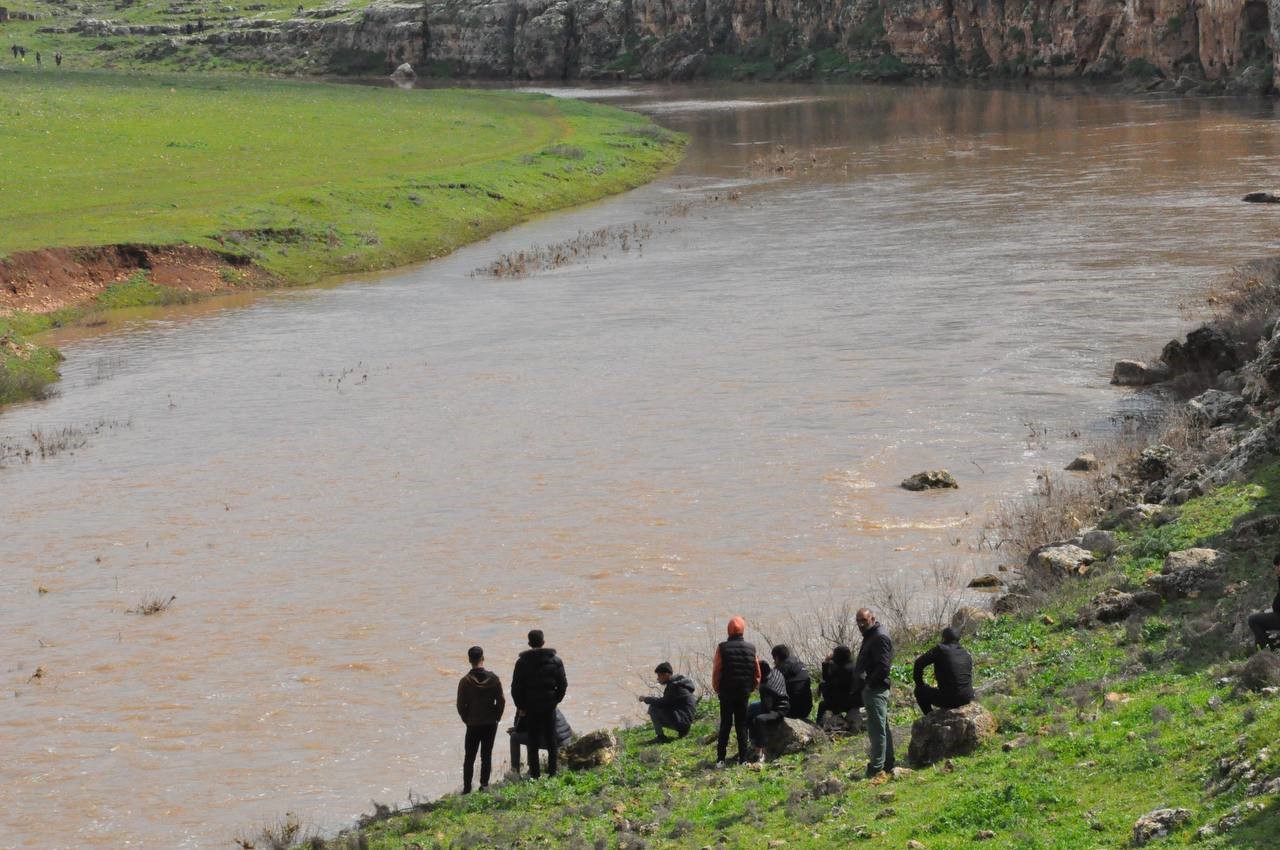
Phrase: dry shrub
pixel 283 834
pixel 920 611
pixel 1244 299
pixel 1056 509
pixel 152 604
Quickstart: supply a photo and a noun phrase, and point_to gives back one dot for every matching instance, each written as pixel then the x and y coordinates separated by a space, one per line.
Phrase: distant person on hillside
pixel 840 689
pixel 480 705
pixel 735 673
pixel 952 670
pixel 1267 621
pixel 13 48
pixel 57 59
pixel 875 660
pixel 674 709
pixel 520 738
pixel 771 709
pixel 37 58
pixel 799 683
pixel 538 685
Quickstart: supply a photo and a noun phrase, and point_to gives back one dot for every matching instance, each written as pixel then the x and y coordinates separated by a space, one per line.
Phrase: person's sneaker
pixel 879 779
pixel 720 765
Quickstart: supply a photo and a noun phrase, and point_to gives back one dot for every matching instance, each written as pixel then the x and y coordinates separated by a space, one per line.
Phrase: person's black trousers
pixel 929 698
pixel 1260 624
pixel 733 713
pixel 542 733
pixel 479 738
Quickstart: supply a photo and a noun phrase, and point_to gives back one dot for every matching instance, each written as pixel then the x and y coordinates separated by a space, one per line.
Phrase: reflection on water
pixel 346 487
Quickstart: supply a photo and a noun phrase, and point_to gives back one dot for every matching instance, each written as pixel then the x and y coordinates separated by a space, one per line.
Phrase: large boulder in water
pixel 789 736
pixel 1135 373
pixel 933 479
pixel 404 72
pixel 950 732
pixel 594 749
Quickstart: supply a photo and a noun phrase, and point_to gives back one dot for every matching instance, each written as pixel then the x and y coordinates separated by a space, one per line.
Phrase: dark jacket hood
pixel 482 678
pixel 682 682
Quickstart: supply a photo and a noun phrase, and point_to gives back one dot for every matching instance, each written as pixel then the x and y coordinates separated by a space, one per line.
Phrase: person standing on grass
pixel 674 709
pixel 538 685
pixel 875 660
pixel 1267 621
pixel 799 683
pixel 735 673
pixel 57 59
pixel 952 669
pixel 480 705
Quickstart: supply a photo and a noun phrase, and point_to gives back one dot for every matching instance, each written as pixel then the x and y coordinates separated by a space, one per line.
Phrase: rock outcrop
pixel 1179 45
pixel 934 479
pixel 950 732
pixel 594 749
pixel 1188 572
pixel 1158 824
pixel 790 736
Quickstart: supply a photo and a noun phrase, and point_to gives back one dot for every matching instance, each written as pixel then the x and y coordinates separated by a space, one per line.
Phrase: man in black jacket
pixel 1267 621
pixel 952 669
pixel 841 689
pixel 538 684
pixel 480 705
pixel 772 707
pixel 875 660
pixel 735 673
pixel 799 683
pixel 674 709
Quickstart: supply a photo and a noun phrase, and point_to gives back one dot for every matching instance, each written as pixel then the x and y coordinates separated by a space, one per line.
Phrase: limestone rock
pixel 1251 531
pixel 689 67
pixel 1136 373
pixel 1132 517
pixel 1098 541
pixel 1157 824
pixel 1113 605
pixel 1214 407
pixel 989 580
pixel 934 479
pixel 1262 670
pixel 1060 559
pixel 594 749
pixel 967 619
pixel 1262 198
pixel 1086 462
pixel 404 72
pixel 1155 462
pixel 789 736
pixel 1011 602
pixel 1188 571
pixel 950 732
pixel 1206 350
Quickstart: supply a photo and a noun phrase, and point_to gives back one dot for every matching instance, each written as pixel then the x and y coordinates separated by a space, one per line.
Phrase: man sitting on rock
pixel 953 670
pixel 799 683
pixel 1267 621
pixel 674 709
pixel 772 707
pixel 840 689
pixel 520 739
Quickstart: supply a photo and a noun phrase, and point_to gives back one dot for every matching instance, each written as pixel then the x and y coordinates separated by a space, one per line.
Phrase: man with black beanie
pixel 953 671
pixel 538 684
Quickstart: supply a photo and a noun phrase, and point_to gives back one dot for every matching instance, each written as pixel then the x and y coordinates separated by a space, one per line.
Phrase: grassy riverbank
pixel 1100 724
pixel 304 180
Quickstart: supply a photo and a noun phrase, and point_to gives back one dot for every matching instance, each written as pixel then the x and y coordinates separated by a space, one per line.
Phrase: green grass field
pixel 307 179
pixel 1080 770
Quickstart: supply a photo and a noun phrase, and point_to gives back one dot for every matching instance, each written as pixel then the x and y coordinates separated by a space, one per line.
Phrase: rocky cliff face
pixel 1199 41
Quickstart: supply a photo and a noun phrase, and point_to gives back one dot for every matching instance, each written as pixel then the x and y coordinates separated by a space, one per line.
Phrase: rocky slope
pixel 1201 42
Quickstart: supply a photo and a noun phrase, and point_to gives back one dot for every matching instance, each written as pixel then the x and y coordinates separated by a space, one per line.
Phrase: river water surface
pixel 345 487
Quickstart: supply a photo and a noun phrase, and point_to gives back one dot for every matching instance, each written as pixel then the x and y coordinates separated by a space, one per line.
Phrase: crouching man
pixel 674 709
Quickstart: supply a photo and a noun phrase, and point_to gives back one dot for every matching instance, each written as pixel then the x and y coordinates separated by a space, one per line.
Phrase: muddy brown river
pixel 347 486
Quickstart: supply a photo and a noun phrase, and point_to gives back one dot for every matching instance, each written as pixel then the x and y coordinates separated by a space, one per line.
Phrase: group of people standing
pixel 785 690
pixel 848 684
pixel 19 52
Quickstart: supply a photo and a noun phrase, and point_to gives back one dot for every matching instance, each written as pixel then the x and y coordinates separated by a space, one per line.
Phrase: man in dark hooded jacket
pixel 841 689
pixel 538 684
pixel 772 707
pixel 674 709
pixel 952 668
pixel 735 673
pixel 480 705
pixel 799 683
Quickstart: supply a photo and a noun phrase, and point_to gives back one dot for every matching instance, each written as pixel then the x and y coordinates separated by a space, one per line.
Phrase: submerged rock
pixel 934 479
pixel 1261 198
pixel 990 580
pixel 1086 462
pixel 950 732
pixel 1136 373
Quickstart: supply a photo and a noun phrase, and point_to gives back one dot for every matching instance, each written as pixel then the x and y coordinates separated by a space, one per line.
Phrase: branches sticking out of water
pixel 588 244
pixel 152 604
pixel 356 375
pixel 580 248
pixel 44 444
pixel 783 162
